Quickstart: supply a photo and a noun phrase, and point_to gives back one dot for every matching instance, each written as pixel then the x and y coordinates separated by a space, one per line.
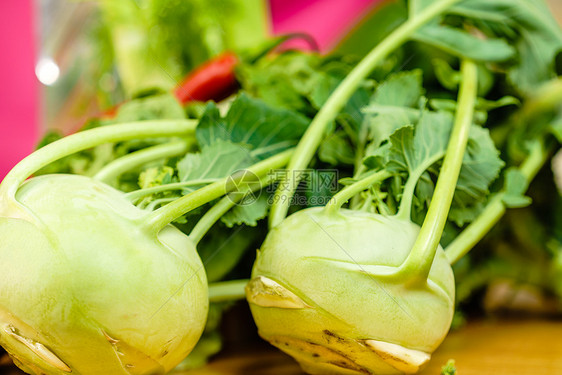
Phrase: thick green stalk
pixel 165 215
pixel 339 199
pixel 313 136
pixel 223 206
pixel 495 209
pixel 111 172
pixel 225 291
pixel 418 263
pixel 91 138
pixel 134 195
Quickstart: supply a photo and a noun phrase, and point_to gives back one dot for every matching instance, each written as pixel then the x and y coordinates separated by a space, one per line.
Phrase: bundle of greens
pixel 392 168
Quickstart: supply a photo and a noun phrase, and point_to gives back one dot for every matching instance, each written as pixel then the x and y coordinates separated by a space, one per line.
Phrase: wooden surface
pixel 485 348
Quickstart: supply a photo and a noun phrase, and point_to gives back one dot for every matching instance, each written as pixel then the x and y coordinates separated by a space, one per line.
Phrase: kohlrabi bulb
pixel 85 289
pixel 323 291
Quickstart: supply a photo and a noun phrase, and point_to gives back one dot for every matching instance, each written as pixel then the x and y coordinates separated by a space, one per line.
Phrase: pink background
pixel 18 85
pixel 325 20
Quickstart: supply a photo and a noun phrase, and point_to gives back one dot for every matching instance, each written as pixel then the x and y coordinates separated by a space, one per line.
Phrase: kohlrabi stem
pixel 225 291
pixel 165 215
pixel 91 138
pixel 313 136
pixel 495 209
pixel 405 208
pixel 359 167
pixel 339 199
pixel 134 195
pixel 223 206
pixel 418 263
pixel 111 172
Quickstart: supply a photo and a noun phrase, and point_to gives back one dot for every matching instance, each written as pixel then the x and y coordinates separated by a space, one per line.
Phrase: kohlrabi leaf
pixel 156 176
pixel 412 148
pixel 461 43
pixel 248 211
pixel 217 160
pixel 282 82
pixel 481 166
pixel 336 150
pixel 402 89
pixel 529 26
pixel 250 122
pixel 393 106
pixel 515 188
pixel 302 82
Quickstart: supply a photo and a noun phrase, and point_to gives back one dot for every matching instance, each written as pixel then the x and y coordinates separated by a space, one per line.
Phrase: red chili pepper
pixel 214 80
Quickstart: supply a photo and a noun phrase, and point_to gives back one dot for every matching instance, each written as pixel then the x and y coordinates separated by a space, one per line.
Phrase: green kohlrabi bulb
pixel 324 290
pixel 85 289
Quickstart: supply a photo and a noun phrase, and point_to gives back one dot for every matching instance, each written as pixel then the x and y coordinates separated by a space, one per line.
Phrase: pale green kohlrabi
pixel 89 283
pixel 323 290
pixel 350 292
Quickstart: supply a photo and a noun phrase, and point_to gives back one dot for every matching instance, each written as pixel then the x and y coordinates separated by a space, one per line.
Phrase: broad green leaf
pixel 402 89
pixel 250 122
pixel 412 148
pixel 247 212
pixel 481 166
pixel 462 44
pixel 217 160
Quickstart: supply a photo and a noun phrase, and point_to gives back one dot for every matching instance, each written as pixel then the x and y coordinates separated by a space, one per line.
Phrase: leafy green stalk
pixel 91 138
pixel 419 261
pixel 113 170
pixel 338 200
pixel 495 209
pixel 137 194
pixel 165 215
pixel 311 140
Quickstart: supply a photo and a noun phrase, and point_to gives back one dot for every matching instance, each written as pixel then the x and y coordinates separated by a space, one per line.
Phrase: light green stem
pixel 111 172
pixel 495 209
pixel 225 291
pixel 134 195
pixel 91 138
pixel 165 215
pixel 405 209
pixel 313 136
pixel 223 206
pixel 339 199
pixel 418 263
